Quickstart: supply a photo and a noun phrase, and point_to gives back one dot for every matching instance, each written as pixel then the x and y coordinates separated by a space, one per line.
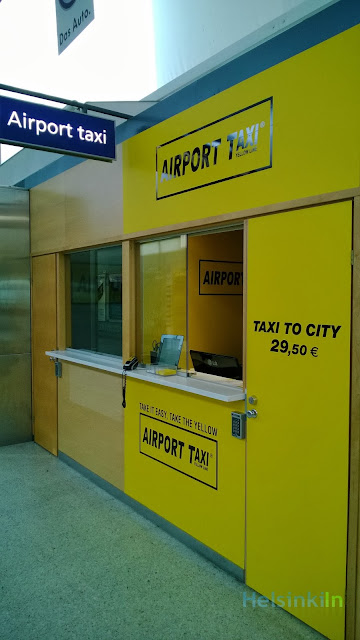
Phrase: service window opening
pixel 215 304
pixel 192 286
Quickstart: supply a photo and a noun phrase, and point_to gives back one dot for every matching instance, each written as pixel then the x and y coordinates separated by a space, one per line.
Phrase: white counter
pixel 225 392
pixel 113 364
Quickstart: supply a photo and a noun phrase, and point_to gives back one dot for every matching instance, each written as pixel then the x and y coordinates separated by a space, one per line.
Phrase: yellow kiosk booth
pixel 257 180
pixel 239 242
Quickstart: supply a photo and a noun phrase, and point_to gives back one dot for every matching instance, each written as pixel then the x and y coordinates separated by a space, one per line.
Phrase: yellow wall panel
pixel 91 421
pixel 208 504
pixel 78 208
pixel 315 138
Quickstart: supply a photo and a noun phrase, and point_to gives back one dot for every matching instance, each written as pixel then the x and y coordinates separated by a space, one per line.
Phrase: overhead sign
pixel 27 124
pixel 233 146
pixel 72 17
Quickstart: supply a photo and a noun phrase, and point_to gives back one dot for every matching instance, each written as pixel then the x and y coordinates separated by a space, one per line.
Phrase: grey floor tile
pixel 76 563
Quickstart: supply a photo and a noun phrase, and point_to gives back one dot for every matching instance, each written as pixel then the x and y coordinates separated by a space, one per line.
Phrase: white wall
pixel 115 59
pixel 190 32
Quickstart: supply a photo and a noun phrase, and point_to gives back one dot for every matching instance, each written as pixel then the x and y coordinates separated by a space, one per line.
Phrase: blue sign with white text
pixel 26 124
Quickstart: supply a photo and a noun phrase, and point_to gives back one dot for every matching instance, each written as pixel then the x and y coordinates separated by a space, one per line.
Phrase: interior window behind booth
pixel 96 300
pixel 162 292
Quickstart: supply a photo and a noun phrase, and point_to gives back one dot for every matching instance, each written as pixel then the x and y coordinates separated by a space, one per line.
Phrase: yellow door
pixel 298 372
pixel 43 319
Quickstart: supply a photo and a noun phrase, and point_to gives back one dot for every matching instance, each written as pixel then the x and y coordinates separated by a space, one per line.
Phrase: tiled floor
pixel 76 563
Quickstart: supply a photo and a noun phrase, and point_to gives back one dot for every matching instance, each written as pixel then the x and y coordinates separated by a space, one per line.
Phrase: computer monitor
pixel 216 365
pixel 170 350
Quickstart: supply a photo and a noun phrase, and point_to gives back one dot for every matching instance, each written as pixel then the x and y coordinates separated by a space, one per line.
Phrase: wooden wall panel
pixel 91 428
pixel 44 338
pixel 47 216
pixel 78 208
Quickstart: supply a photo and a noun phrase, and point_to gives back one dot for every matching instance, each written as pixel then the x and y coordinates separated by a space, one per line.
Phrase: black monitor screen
pixel 216 365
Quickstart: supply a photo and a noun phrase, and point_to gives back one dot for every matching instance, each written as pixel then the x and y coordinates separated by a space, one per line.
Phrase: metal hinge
pixel 58 367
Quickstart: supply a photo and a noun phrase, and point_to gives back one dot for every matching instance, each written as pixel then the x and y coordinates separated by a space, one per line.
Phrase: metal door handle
pixel 251 413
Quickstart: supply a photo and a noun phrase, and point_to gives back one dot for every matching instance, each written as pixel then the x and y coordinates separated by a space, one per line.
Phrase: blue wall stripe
pixel 322 26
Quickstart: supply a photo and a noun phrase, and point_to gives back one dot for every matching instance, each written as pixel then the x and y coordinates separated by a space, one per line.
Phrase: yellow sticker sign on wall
pixel 233 146
pixel 191 454
pixel 220 278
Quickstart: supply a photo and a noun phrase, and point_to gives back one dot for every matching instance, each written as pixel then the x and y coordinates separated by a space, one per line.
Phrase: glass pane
pixel 96 300
pixel 162 293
